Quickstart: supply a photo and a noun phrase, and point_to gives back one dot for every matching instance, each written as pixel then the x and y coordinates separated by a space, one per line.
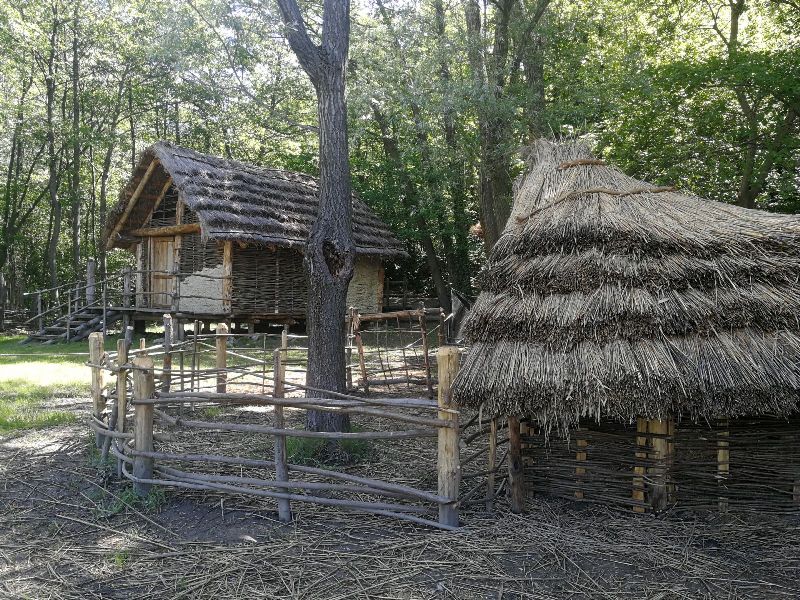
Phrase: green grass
pixel 318 452
pixel 109 504
pixel 23 404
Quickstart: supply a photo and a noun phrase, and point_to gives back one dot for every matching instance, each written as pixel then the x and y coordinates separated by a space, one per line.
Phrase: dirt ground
pixel 69 531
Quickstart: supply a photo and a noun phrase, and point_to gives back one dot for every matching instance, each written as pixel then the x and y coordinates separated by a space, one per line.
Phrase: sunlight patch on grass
pixel 31 403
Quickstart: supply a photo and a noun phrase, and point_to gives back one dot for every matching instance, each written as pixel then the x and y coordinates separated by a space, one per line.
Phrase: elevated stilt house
pixel 221 239
pixel 642 344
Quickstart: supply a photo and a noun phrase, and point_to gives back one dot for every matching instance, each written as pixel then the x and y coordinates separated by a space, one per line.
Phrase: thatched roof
pixel 238 201
pixel 607 295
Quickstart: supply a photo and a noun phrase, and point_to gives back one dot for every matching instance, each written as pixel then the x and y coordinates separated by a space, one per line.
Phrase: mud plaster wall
pixel 366 287
pixel 209 288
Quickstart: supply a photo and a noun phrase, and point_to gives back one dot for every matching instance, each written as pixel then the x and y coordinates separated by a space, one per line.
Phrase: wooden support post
pixel 90 281
pixel 96 352
pixel 580 459
pixel 492 465
pixel 449 462
pixel 639 469
pixel 660 488
pixel 227 276
pixel 281 468
pixel 167 371
pixel 351 312
pixel 222 358
pixel 516 476
pixel 126 298
pixel 143 389
pixel 128 338
pixel 39 311
pixel 426 352
pixel 723 463
pixel 362 363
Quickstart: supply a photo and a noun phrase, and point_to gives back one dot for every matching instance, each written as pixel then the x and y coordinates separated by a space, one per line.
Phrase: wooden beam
pixel 159 198
pixel 131 203
pixel 166 231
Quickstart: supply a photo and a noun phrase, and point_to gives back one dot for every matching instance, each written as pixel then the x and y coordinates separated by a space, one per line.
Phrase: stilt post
pixel 723 463
pixel 659 474
pixel 640 469
pixel 580 460
pixel 449 463
pixel 167 371
pixel 143 389
pixel 222 358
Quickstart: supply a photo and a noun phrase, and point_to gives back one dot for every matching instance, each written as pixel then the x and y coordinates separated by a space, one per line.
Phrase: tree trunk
pixel 76 151
pixel 330 252
pixel 52 184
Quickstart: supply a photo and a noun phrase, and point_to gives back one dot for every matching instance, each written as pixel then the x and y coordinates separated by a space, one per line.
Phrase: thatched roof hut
pixel 221 239
pixel 608 296
pixel 236 201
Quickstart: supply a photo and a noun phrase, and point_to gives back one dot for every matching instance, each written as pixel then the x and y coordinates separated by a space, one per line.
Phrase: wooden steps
pixel 80 324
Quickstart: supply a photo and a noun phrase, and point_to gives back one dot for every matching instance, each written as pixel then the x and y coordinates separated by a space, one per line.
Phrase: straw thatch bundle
pixel 609 296
pixel 238 201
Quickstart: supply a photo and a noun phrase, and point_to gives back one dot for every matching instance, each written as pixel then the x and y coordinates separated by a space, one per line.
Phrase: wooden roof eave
pixel 131 203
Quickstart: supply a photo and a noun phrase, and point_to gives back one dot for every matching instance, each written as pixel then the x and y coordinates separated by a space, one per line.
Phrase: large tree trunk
pixel 76 151
pixel 330 252
pixel 52 184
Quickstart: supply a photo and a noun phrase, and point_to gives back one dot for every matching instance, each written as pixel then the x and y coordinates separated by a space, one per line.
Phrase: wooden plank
pixel 131 203
pixel 168 230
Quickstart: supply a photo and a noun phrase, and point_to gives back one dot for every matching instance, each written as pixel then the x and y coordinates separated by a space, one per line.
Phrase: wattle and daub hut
pixel 654 335
pixel 222 239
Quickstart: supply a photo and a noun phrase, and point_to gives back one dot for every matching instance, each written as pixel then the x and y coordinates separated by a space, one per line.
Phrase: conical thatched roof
pixel 237 201
pixel 607 295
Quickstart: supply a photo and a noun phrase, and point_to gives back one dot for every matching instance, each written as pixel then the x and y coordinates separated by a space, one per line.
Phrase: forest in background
pixel 442 95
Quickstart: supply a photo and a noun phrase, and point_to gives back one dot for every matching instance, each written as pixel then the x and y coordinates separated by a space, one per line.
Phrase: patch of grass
pixel 110 505
pixel 212 412
pixel 318 452
pixel 120 558
pixel 24 403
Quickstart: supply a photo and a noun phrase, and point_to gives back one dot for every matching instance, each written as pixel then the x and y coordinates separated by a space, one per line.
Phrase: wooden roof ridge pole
pixel 131 203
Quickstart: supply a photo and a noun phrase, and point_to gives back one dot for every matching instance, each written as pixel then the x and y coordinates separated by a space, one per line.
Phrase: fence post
pixel 222 357
pixel 3 296
pixel 90 281
pixel 349 348
pixel 580 460
pixel 448 463
pixel 281 469
pixel 143 389
pixel 360 346
pixel 723 462
pixel 639 469
pixel 426 351
pixel 515 471
pixel 122 390
pixel 492 464
pixel 659 474
pixel 167 371
pixel 96 352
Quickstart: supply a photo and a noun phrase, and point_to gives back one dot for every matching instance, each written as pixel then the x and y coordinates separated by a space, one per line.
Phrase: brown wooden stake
pixel 639 470
pixel 122 389
pixel 580 471
pixel 126 298
pixel 96 352
pixel 69 313
pixel 723 463
pixel 281 468
pixel 448 462
pixel 168 334
pixel 143 389
pixel 491 465
pixel 659 475
pixel 360 347
pixel 227 274
pixel 426 353
pixel 222 358
pixel 515 472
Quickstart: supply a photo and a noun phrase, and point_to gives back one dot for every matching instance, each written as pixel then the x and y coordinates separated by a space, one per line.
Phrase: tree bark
pixel 330 252
pixel 76 149
pixel 52 184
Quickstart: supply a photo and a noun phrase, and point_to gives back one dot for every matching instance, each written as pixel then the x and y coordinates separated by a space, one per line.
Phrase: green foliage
pixel 319 452
pixel 109 504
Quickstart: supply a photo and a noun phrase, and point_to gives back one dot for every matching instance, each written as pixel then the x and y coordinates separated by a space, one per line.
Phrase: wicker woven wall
pixel 366 287
pixel 268 281
pixel 764 472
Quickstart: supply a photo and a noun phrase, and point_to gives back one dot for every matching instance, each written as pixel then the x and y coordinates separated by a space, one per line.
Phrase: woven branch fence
pixel 151 414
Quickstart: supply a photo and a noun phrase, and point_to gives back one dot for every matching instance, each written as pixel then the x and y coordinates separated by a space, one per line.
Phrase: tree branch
pixel 307 52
